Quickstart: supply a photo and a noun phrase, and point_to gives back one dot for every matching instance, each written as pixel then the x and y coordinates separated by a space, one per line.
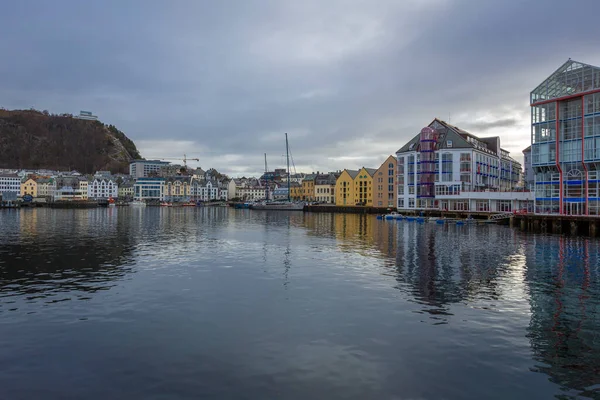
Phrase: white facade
pixel 231 189
pixel 68 193
pixel 149 189
pixel 102 189
pixel 145 168
pixel 447 168
pixel 251 193
pixel 10 183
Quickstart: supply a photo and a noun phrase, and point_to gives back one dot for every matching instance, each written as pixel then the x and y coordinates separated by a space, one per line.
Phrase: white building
pixel 149 189
pixel 10 183
pixel 446 168
pixel 102 188
pixel 145 168
pixel 69 193
pixel 251 193
pixel 529 175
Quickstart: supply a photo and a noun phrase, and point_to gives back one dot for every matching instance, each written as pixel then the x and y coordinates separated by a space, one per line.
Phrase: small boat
pixel 138 203
pixel 410 219
pixel 166 204
pixel 241 205
pixel 393 215
pixel 379 217
pixel 189 204
pixel 460 222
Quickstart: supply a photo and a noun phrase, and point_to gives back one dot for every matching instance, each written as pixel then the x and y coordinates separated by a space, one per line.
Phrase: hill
pixel 34 140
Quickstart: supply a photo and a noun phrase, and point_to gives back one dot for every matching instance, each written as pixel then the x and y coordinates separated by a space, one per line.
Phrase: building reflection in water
pixel 564 281
pixel 554 279
pixel 46 253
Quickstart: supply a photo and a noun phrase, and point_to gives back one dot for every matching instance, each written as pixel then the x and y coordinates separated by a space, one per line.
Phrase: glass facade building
pixel 565 141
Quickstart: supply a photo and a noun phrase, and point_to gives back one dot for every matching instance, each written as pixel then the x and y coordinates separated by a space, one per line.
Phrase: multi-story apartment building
pixel 251 193
pixel 565 141
pixel 325 188
pixel 45 187
pixel 149 189
pixel 445 167
pixel 145 168
pixel 384 184
pixel 355 188
pixel 29 188
pixel 177 188
pixel 10 185
pixel 206 190
pixel 102 188
pixel 125 191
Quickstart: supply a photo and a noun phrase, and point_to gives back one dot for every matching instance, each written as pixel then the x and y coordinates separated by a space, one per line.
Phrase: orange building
pixel 384 184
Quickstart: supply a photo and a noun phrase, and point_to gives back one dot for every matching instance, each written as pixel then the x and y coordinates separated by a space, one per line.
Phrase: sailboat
pixel 285 205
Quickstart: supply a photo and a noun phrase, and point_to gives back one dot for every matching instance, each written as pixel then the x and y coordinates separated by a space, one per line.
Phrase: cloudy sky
pixel 350 81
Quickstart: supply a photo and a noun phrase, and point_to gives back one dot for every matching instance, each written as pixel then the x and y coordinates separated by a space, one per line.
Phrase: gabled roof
pixel 570 78
pixel 370 171
pixel 447 133
pixel 352 173
pixel 527 149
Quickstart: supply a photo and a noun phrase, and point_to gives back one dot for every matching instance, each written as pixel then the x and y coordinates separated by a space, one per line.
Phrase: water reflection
pixel 53 254
pixel 350 284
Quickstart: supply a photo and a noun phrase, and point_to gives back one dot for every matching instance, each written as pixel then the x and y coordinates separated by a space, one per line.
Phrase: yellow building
pixel 83 186
pixel 344 188
pixel 363 187
pixel 177 189
pixel 308 188
pixel 29 187
pixel 296 191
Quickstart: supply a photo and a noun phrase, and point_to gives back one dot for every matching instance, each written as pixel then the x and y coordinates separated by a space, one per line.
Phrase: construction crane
pixel 184 159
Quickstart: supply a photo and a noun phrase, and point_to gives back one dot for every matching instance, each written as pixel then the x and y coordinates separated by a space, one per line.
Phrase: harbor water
pixel 218 303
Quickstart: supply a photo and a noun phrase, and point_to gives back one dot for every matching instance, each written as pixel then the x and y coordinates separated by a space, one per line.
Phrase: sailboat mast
pixel 266 180
pixel 287 156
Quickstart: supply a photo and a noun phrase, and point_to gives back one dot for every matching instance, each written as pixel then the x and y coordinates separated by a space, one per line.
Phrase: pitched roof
pixel 371 171
pixel 352 173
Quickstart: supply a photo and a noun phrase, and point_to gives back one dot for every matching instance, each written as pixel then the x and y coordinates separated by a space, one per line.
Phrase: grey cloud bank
pixel 350 81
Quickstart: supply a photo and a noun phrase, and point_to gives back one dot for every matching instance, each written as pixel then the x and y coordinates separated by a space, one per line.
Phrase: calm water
pixel 220 303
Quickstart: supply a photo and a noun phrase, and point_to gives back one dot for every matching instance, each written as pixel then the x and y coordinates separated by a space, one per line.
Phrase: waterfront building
pixel 528 175
pixel 29 187
pixel 565 141
pixel 102 188
pixel 151 188
pixel 280 193
pixel 344 188
pixel 177 189
pixel 251 193
pixel 325 188
pixel 69 193
pixel 308 188
pixel 231 189
pixel 83 186
pixel 45 187
pixel 205 190
pixel 10 184
pixel 355 188
pixel 145 168
pixel 384 185
pixel 125 190
pixel 447 168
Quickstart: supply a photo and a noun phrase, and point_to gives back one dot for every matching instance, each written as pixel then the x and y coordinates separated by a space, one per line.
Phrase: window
pixel 400 189
pixel 411 203
pixel 447 167
pixel 411 190
pixel 391 172
pixel 390 188
pixel 400 203
pixel 391 180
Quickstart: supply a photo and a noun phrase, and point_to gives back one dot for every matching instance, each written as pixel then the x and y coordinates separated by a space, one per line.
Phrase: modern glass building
pixel 565 141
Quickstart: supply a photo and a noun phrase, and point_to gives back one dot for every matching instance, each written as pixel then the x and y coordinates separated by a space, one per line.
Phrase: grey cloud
pixel 483 126
pixel 344 78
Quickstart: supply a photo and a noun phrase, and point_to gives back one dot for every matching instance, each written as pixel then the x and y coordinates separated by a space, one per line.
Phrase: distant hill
pixel 34 139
